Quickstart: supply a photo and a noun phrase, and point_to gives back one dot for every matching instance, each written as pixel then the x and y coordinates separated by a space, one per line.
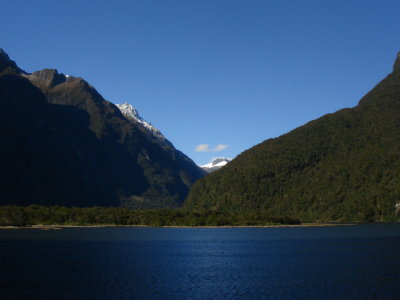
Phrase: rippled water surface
pixel 341 262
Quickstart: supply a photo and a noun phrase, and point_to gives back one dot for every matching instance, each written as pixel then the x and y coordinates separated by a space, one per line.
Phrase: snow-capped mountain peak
pixel 128 110
pixel 132 114
pixel 216 164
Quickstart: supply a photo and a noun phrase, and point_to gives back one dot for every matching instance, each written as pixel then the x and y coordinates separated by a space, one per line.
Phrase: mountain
pixel 6 64
pixel 215 164
pixel 64 144
pixel 151 132
pixel 132 114
pixel 344 166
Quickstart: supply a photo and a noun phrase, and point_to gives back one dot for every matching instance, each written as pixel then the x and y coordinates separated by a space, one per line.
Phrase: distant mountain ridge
pixel 64 144
pixel 216 164
pixel 344 166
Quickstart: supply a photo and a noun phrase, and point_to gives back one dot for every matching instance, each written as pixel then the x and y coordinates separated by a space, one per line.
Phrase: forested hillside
pixel 343 166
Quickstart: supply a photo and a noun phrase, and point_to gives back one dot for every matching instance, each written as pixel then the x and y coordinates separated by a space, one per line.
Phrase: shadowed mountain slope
pixel 63 144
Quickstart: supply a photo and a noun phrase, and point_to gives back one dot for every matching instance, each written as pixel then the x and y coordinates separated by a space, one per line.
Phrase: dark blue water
pixel 343 262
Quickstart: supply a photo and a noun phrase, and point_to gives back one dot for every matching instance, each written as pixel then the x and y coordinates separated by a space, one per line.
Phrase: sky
pixel 215 76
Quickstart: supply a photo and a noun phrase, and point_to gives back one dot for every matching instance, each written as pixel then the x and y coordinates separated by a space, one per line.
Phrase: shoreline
pixel 60 227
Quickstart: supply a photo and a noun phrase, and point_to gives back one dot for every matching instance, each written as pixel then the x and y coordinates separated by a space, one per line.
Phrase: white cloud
pixel 206 148
pixel 202 148
pixel 220 147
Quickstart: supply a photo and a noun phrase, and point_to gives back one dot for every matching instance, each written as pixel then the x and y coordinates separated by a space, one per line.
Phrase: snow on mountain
pixel 132 114
pixel 215 164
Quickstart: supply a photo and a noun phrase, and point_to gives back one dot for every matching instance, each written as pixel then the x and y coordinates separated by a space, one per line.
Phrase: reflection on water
pixel 343 262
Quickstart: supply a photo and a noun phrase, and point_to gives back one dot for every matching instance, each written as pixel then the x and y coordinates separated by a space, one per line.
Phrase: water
pixel 341 262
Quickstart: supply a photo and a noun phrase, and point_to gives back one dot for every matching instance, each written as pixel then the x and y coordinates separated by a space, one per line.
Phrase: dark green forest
pixel 59 215
pixel 341 167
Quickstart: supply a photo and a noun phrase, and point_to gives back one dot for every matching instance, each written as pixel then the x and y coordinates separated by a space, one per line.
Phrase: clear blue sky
pixel 216 72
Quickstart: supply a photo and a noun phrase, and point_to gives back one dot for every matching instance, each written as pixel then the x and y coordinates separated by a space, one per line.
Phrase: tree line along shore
pixel 25 216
